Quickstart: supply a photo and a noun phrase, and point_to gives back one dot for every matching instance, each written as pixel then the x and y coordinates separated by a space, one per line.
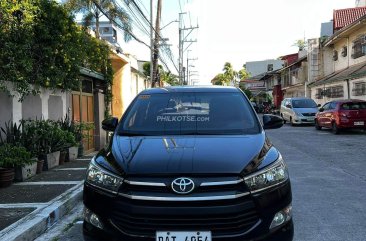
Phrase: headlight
pixel 103 179
pixel 273 175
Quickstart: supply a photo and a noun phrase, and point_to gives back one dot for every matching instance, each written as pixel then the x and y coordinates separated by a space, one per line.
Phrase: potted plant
pixel 11 157
pixel 45 138
pixel 70 146
pixel 72 137
pixel 31 141
pixel 82 132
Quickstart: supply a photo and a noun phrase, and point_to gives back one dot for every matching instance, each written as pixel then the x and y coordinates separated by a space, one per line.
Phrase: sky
pixel 238 31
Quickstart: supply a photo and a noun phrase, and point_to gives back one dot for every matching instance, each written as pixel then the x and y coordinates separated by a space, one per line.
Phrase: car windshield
pixel 354 106
pixel 190 114
pixel 304 103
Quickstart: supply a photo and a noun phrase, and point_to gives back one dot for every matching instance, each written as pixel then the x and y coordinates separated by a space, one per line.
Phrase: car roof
pixel 298 98
pixel 346 101
pixel 183 89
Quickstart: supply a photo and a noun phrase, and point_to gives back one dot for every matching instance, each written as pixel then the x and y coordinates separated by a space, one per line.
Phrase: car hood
pixel 306 110
pixel 191 154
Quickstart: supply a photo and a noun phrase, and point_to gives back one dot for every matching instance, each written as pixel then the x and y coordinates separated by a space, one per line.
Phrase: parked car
pixel 298 110
pixel 189 163
pixel 342 114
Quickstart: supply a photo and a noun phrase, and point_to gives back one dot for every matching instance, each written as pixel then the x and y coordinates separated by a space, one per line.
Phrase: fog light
pixel 281 217
pixel 92 218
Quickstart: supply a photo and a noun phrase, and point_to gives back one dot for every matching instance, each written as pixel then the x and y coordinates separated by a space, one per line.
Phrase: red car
pixel 342 114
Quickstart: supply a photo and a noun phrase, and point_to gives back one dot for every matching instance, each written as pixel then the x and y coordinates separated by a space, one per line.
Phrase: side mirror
pixel 110 124
pixel 321 109
pixel 289 106
pixel 319 105
pixel 272 122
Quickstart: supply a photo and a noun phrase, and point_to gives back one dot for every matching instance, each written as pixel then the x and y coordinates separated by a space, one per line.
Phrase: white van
pixel 298 110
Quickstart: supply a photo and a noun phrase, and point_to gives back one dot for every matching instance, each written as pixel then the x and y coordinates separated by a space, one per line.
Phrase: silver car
pixel 298 110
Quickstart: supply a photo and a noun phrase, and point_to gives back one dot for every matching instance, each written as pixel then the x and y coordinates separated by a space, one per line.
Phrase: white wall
pixel 259 67
pixel 33 106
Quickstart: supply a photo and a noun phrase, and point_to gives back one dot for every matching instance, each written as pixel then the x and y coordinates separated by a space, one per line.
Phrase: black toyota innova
pixel 189 164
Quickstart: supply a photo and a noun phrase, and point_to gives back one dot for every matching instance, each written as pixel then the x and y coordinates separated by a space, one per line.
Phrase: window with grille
pixel 359 47
pixel 336 91
pixel 359 89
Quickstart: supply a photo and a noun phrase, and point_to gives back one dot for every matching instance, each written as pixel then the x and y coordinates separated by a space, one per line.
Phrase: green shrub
pixel 12 156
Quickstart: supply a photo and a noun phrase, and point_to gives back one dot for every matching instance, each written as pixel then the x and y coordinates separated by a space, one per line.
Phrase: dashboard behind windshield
pixel 190 113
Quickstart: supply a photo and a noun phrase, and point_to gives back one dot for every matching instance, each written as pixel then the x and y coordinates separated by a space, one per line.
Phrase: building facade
pixel 342 65
pixel 256 68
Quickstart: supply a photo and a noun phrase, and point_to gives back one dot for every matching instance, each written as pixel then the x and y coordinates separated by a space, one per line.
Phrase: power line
pixel 145 19
pixel 119 25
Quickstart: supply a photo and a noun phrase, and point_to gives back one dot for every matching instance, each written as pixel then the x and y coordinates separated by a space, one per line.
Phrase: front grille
pixel 225 218
pixel 308 114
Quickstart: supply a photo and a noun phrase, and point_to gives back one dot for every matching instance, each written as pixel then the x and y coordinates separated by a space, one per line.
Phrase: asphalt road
pixel 328 174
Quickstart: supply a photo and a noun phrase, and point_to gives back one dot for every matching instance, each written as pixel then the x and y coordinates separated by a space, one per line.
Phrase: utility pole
pixel 188 59
pixel 156 45
pixel 180 46
pixel 151 41
pixel 182 40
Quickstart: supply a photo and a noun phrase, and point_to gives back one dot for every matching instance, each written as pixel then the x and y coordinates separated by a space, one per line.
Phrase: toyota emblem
pixel 182 185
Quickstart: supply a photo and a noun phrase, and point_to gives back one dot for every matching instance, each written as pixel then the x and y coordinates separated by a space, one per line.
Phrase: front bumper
pixel 246 218
pixel 304 120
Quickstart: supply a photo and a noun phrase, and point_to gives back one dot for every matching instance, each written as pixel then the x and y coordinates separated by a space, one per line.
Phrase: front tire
pixel 317 126
pixel 292 122
pixel 284 121
pixel 335 128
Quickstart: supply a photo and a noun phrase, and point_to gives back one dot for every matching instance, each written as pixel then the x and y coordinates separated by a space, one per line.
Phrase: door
pixel 83 112
pixel 323 118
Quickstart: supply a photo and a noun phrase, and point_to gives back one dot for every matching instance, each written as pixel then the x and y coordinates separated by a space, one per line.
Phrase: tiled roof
pixel 344 17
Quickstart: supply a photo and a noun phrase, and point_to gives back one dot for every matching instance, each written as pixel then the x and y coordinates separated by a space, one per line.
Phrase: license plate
pixel 183 236
pixel 359 123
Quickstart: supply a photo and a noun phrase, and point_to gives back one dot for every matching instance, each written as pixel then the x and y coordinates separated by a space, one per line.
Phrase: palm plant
pixel 229 74
pixel 93 10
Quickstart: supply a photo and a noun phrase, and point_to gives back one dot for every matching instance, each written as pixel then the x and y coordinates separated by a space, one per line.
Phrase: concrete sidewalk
pixel 28 209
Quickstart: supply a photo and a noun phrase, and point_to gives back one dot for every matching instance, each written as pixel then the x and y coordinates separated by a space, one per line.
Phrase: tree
pixel 243 73
pixel 169 78
pixel 42 46
pixel 92 10
pixel 229 73
pixel 300 44
pixel 247 92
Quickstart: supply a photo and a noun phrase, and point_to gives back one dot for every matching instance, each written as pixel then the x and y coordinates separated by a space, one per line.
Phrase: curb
pixel 36 223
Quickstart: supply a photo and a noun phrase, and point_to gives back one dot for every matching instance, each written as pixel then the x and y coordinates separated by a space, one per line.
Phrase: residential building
pixel 257 86
pixel 342 65
pixel 272 82
pixel 256 68
pixel 294 78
